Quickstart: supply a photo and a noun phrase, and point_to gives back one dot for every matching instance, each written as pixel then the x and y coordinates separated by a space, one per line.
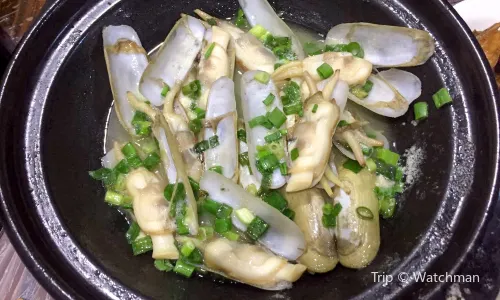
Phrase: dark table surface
pixel 484 259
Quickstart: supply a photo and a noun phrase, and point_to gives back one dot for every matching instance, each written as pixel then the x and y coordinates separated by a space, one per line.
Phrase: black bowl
pixel 54 103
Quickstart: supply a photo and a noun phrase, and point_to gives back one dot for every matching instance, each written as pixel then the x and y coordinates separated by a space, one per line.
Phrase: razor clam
pixel 246 178
pixel 358 239
pixel 220 62
pixel 260 12
pixel 384 99
pixel 321 255
pixel 126 60
pixel 353 70
pixel 310 137
pixel 173 61
pixel 251 54
pixel 251 264
pixel 283 236
pixel 221 114
pixel 385 46
pixel 253 93
pixel 406 83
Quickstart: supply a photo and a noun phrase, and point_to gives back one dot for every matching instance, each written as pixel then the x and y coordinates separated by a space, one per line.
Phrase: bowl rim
pixel 58 288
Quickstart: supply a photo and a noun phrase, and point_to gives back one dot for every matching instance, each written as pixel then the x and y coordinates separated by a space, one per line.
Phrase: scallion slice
pixel 231 235
pixel 441 98
pixel 132 232
pixel 241 21
pixel 364 213
pixel 387 206
pixel 325 71
pixel 187 248
pixel 163 265
pixel 260 121
pixel 257 228
pixel 151 161
pixel 209 50
pixel 244 215
pixel 342 123
pixel 165 90
pixel 211 206
pixel 129 150
pixel 216 169
pixel 353 165
pixel 242 135
pixel 262 77
pixel 212 22
pixel 200 113
pixel 195 125
pixel 273 137
pixel 269 99
pixel 142 245
pixel 371 165
pixel 277 117
pixel 223 225
pixel 294 154
pixel 289 213
pixel 421 110
pixel 387 156
pixel 315 108
pixel 275 199
pixel 201 146
pixel 122 167
pixel 117 199
pixel 283 169
pixel 183 268
pixel 213 141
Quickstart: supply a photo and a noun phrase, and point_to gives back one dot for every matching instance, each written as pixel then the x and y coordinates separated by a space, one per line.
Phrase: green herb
pixel 362 91
pixel 330 213
pixel 354 48
pixel 216 169
pixel 283 169
pixel 196 257
pixel 165 90
pixel 257 228
pixel 180 192
pixel 268 163
pixel 151 161
pixel 371 165
pixel 163 265
pixel 342 123
pixel 387 156
pixel 242 135
pixel 192 90
pixel 129 150
pixel 241 21
pixel 420 110
pixel 132 232
pixel 244 215
pixel 266 182
pixel 441 98
pixel 201 147
pixel 312 49
pixel 315 108
pixel 325 71
pixel 269 99
pixel 224 211
pixel 195 125
pixel 292 99
pixel 212 22
pixel 180 217
pixel 277 117
pixel 273 137
pixel 223 225
pixel 118 199
pixel 183 268
pixel 294 154
pixel 205 233
pixel 213 141
pixel 275 199
pixel 209 50
pixel 187 248
pixel 289 213
pixel 200 113
pixel 142 245
pixel 353 165
pixel 107 176
pixel 211 206
pixel 364 213
pixel 262 77
pixel 243 159
pixel 387 206
pixel 141 123
pixel 260 121
pixel 231 235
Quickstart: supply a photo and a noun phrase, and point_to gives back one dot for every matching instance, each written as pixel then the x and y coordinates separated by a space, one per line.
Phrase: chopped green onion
pixel 387 207
pixel 213 141
pixel 201 146
pixel 163 265
pixel 122 167
pixel 165 90
pixel 275 199
pixel 361 91
pixel 367 87
pixel 244 215
pixel 209 50
pixel 421 110
pixel 187 248
pixel 269 99
pixel 142 245
pixel 273 137
pixel 223 225
pixel 132 232
pixel 283 169
pixel 342 123
pixel 293 109
pixel 211 206
pixel 268 163
pixel 259 32
pixel 224 211
pixel 312 49
pixel 141 123
pixel 195 125
pixel 325 71
pixel 277 117
pixel 180 192
pixel 289 213
pixel 294 154
pixel 330 213
pixel 148 145
pixel 195 186
pixel 315 108
pixel 257 228
pixel 265 184
pixel 243 159
pixel 151 161
pixel 252 189
pixel 200 113
pixel 212 22
pixel 129 150
pixel 262 77
pixel 277 65
pixel 180 216
pixel 441 98
pixel 117 199
pixel 241 21
pixel 205 233
pixel 371 165
pixel 196 257
pixel 260 121
pixel 242 135
pixel 387 156
pixel 231 235
pixel 353 165
pixel 183 268
pixel 355 49
pixel 102 174
pixel 134 162
pixel 216 169
pixel 292 93
pixel 192 90
pixel 262 152
pixel 364 213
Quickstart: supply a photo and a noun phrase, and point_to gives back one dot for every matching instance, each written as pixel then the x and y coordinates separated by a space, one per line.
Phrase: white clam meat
pixel 385 46
pixel 283 236
pixel 251 264
pixel 126 60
